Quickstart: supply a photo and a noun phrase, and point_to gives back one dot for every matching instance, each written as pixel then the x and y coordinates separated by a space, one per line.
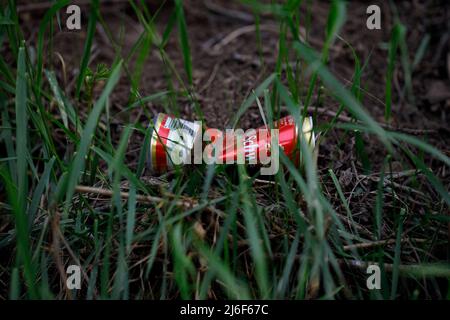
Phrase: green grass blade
pixel 284 282
pixel 254 238
pixel 235 288
pixel 87 45
pixel 252 98
pixel 22 234
pixel 393 45
pixel 184 40
pixel 21 127
pixel 131 218
pixel 183 267
pixel 45 22
pixel 8 140
pixel 14 288
pixel 38 192
pixel 342 197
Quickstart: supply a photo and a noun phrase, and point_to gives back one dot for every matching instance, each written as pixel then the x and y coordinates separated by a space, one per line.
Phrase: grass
pixel 87 46
pixel 397 32
pixel 211 231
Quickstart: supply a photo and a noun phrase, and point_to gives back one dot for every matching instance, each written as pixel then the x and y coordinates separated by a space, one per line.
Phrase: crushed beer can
pixel 175 141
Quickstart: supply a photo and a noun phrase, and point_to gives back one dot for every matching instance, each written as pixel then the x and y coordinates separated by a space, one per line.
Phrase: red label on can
pixel 256 143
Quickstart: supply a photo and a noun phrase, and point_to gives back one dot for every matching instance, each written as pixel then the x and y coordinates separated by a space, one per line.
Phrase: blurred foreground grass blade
pixel 336 19
pixel 222 244
pixel 21 127
pixel 290 201
pixel 234 288
pixel 22 235
pixel 184 40
pixel 121 285
pixel 77 165
pixel 87 45
pixel 116 172
pixel 283 284
pixel 183 267
pixel 14 287
pixel 256 246
pixel 120 288
pixel 17 192
pixel 131 217
pixel 421 145
pixel 160 232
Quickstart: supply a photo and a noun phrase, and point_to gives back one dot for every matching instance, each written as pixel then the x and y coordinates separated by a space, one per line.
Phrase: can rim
pixel 154 140
pixel 307 132
pixel 310 134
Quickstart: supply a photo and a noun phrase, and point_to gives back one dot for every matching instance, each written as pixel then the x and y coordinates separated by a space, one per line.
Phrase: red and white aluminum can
pixel 173 140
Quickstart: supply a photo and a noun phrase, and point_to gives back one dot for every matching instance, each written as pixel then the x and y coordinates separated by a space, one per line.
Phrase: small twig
pixel 366 245
pixel 269 182
pixel 185 203
pixel 215 50
pixel 211 77
pixel 230 13
pixel 109 193
pixel 405 269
